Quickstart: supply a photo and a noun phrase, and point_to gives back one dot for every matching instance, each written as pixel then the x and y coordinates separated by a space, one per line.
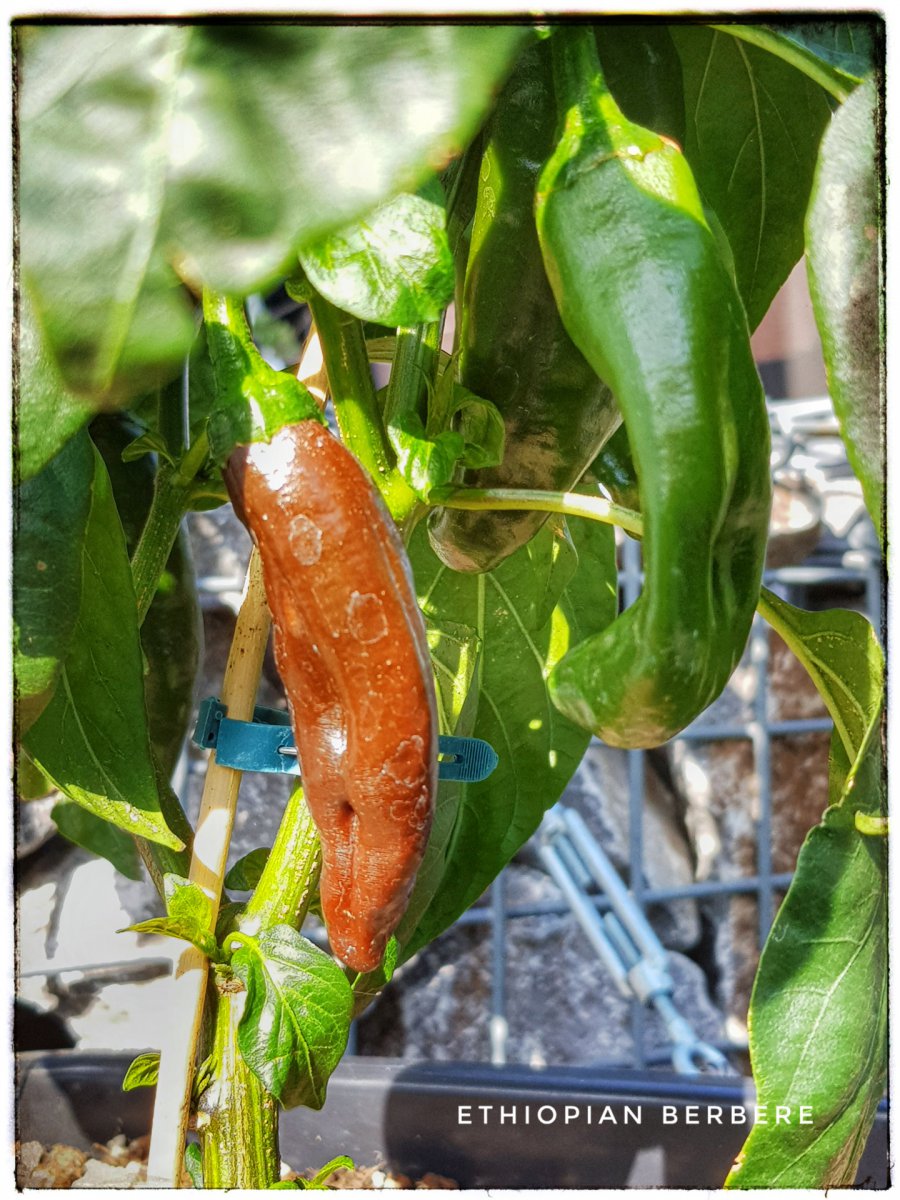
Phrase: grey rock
pixel 562 1006
pixel 599 792
pixel 720 787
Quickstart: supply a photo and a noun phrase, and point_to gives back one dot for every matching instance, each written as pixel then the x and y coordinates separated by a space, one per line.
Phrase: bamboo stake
pixel 210 851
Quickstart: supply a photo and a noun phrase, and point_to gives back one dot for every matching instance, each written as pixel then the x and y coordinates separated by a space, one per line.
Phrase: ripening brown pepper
pixel 351 650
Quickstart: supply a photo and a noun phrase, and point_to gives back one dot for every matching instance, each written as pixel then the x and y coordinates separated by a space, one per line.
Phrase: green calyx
pixel 254 400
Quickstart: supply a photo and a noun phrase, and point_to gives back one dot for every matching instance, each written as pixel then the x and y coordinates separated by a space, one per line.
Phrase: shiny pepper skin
pixel 514 349
pixel 351 650
pixel 644 293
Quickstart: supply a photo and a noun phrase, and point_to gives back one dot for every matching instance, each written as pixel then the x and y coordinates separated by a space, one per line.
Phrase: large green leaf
pixel 170 634
pixel 91 739
pixel 849 47
pixel 643 72
pixel 818 1013
pixel 296 1017
pixel 844 261
pixel 46 415
pixel 841 653
pixel 754 124
pixel 392 266
pixel 220 149
pixel 522 636
pixel 51 514
pixel 95 120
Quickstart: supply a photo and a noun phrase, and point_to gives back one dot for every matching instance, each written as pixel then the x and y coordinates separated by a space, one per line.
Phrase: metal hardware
pixel 623 938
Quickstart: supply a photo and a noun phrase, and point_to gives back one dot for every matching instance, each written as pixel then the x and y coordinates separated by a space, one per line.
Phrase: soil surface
pixel 123 1164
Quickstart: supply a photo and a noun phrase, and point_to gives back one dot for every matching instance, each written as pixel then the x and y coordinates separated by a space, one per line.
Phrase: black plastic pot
pixel 483 1126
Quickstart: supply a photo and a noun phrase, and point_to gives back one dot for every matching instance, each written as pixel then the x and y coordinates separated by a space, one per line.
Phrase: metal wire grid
pixel 765 884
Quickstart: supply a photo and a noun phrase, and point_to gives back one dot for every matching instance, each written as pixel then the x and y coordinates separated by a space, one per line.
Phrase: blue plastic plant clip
pixel 267 744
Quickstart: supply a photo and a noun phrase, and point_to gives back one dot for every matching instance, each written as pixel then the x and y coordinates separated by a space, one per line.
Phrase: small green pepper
pixel 643 291
pixel 514 349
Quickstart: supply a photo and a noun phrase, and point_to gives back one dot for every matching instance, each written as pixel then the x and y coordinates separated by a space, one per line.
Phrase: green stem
pixel 290 875
pixel 835 82
pixel 414 366
pixel 355 405
pixel 171 500
pixel 237 1119
pixel 572 504
pixel 237 1111
pixel 577 76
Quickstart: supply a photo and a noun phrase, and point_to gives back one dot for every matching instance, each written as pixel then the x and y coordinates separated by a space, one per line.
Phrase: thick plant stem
pixel 238 1121
pixel 171 498
pixel 237 1118
pixel 290 875
pixel 207 870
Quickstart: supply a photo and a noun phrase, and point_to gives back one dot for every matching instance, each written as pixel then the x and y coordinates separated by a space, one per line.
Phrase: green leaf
pixel 382 107
pixel 850 48
pixel 428 461
pixel 92 739
pixel 391 954
pixel 193 1164
pixel 171 632
pixel 480 425
pixel 424 462
pixel 841 653
pixel 146 443
pixel 245 874
pixel 51 516
pixel 176 927
pixel 643 72
pixel 30 782
pixel 296 1016
pixel 317 1183
pixel 91 833
pixel 147 145
pixel 818 1015
pixel 393 266
pixel 844 248
pixel 96 113
pixel 539 749
pixel 188 916
pixel 46 414
pixel 143 1072
pixel 753 129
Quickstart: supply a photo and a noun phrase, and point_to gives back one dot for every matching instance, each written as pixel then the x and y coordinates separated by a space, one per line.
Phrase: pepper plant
pixel 610 210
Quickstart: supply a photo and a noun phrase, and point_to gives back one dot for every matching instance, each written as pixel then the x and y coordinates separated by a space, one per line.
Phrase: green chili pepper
pixel 514 349
pixel 643 292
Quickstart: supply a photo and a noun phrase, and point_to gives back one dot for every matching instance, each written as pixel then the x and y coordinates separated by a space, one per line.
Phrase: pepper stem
pixel 571 504
pixel 355 403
